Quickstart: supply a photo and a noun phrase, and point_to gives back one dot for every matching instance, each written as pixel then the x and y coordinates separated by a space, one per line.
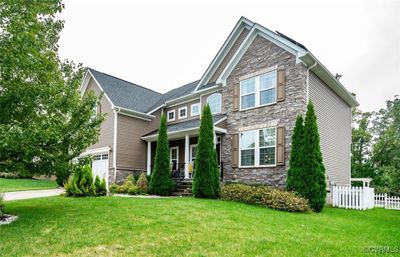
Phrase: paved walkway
pixel 20 195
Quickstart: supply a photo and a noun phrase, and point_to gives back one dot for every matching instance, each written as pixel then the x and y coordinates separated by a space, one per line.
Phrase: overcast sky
pixel 165 44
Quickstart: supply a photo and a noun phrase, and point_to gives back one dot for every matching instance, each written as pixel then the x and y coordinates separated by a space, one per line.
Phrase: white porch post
pixel 215 140
pixel 186 156
pixel 148 158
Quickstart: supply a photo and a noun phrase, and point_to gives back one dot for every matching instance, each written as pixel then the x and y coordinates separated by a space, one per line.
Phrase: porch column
pixel 215 140
pixel 186 156
pixel 148 158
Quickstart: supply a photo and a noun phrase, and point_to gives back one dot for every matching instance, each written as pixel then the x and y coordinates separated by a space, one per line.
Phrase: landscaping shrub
pixel 113 188
pixel 142 184
pixel 206 181
pixel 81 184
pixel 264 196
pixel 13 175
pixel 161 182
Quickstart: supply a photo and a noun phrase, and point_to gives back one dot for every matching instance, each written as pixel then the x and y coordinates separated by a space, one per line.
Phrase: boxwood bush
pixel 264 196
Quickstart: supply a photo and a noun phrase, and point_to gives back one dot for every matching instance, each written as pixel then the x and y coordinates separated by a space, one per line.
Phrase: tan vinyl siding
pixel 334 124
pixel 106 135
pixel 131 150
pixel 229 55
pixel 188 111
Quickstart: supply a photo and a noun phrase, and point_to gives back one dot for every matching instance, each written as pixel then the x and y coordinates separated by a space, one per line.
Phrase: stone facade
pixel 263 55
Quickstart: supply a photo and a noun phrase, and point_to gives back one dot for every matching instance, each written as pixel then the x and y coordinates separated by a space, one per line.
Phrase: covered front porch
pixel 182 148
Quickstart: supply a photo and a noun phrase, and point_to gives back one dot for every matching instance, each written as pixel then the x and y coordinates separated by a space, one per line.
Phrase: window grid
pixel 259 89
pixel 171 115
pixel 257 148
pixel 182 112
pixel 195 109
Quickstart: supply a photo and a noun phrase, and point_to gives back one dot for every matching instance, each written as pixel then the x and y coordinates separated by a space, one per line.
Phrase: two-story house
pixel 256 85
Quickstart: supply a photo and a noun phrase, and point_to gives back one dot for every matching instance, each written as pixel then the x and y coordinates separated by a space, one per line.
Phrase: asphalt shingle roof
pixel 126 94
pixel 185 125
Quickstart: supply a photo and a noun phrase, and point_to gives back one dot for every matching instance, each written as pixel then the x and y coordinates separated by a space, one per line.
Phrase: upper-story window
pixel 258 91
pixel 182 112
pixel 195 109
pixel 214 101
pixel 171 115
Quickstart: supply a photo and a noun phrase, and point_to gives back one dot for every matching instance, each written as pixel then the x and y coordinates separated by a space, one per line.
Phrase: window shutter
pixel 280 146
pixel 281 85
pixel 235 150
pixel 236 94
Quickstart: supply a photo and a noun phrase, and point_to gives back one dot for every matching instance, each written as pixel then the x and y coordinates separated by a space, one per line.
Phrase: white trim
pixel 220 120
pixel 156 109
pixel 148 158
pixel 101 89
pixel 267 34
pixel 177 154
pixel 183 102
pixel 179 112
pixel 154 136
pixel 116 111
pixel 257 150
pixel 171 111
pixel 187 142
pixel 191 109
pixel 134 116
pixel 135 113
pixel 96 151
pixel 229 42
pixel 257 91
pixel 220 130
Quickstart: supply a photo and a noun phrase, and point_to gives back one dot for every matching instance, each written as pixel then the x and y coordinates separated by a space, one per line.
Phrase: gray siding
pixel 334 124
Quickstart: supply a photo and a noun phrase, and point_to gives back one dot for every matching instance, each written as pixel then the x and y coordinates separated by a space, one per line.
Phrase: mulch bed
pixel 7 219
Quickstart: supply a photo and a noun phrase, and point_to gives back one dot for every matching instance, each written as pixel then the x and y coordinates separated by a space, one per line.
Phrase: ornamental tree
pixel 161 182
pixel 312 182
pixel 206 180
pixel 44 122
pixel 294 179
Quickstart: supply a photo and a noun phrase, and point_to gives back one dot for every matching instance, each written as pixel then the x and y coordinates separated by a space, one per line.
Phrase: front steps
pixel 183 187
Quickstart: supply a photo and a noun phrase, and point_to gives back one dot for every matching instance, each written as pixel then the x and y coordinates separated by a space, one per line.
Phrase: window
pixel 171 115
pixel 258 91
pixel 182 112
pixel 174 157
pixel 214 101
pixel 257 147
pixel 195 109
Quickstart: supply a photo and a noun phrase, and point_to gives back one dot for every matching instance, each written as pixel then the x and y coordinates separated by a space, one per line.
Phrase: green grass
pixel 10 185
pixel 112 226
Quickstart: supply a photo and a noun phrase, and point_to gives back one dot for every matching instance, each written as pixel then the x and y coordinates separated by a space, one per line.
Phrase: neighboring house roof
pixel 186 125
pixel 126 94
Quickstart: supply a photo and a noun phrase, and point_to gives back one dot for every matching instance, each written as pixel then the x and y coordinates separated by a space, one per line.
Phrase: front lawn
pixel 112 226
pixel 10 185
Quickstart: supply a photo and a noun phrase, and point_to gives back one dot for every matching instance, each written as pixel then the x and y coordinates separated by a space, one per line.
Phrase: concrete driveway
pixel 20 195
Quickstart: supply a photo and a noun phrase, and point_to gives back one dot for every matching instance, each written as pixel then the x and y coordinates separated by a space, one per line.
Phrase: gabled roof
pixel 125 94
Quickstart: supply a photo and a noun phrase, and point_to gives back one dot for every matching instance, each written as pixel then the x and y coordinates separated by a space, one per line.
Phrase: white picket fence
pixel 387 202
pixel 359 198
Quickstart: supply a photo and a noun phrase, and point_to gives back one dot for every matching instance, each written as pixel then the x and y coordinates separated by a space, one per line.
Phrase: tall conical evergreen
pixel 313 167
pixel 294 179
pixel 161 182
pixel 206 181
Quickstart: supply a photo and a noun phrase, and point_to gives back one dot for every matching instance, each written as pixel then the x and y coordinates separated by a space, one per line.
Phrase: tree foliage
pixel 161 182
pixel 44 122
pixel 206 180
pixel 310 180
pixel 294 179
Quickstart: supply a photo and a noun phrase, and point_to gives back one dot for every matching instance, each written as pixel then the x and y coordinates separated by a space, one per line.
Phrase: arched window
pixel 214 101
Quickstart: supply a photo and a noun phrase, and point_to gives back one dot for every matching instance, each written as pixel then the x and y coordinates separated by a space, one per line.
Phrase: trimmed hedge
pixel 264 196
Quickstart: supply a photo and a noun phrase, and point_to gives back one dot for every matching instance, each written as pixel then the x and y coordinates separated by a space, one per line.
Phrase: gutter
pixel 116 111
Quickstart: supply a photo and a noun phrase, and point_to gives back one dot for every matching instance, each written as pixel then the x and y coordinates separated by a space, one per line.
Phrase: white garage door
pixel 100 165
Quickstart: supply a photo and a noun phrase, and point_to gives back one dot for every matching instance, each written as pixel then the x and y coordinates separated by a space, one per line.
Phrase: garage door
pixel 100 165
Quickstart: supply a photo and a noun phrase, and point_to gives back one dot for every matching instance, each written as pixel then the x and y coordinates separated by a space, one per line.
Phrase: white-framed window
pixel 171 115
pixel 258 91
pixel 195 109
pixel 174 157
pixel 258 148
pixel 182 112
pixel 214 101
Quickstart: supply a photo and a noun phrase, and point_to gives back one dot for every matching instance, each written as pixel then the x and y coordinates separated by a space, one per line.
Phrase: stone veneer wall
pixel 262 54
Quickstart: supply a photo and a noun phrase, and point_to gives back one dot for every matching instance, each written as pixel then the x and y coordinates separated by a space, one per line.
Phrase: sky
pixel 165 44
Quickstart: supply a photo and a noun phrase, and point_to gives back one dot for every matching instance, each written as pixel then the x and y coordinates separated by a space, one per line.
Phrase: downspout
pixel 308 79
pixel 116 111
